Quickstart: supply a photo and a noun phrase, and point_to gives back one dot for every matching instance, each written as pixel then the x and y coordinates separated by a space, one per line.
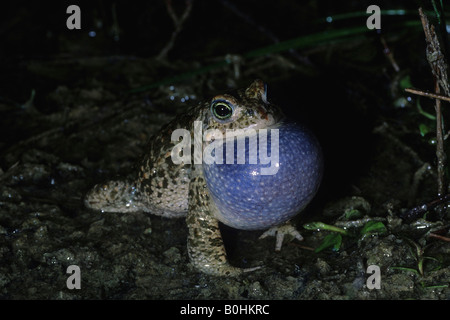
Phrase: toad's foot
pixel 205 245
pixel 280 232
pixel 114 196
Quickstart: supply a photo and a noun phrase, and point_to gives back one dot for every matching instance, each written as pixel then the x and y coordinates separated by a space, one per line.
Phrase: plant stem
pixel 440 154
pixel 438 67
pixel 324 226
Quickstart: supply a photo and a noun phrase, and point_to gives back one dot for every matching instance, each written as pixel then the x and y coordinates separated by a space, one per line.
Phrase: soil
pixel 76 110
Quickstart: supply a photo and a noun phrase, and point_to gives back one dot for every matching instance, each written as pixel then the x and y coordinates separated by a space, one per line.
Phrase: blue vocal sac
pixel 274 182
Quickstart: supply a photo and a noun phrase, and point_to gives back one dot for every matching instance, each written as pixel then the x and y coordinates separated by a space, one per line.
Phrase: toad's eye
pixel 221 109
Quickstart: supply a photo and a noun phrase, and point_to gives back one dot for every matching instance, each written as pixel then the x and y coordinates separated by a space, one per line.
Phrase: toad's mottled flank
pixel 238 195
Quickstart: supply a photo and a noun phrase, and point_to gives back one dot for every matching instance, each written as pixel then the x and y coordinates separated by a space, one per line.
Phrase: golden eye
pixel 221 109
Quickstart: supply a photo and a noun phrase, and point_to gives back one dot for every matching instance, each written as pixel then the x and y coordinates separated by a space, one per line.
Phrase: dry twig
pixel 439 69
pixel 437 236
pixel 389 55
pixel 427 94
pixel 178 22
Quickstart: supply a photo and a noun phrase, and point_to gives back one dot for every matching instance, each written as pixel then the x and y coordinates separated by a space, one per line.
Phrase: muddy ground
pixel 81 110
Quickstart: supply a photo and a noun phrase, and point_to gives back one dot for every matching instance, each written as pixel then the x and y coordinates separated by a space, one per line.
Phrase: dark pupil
pixel 222 110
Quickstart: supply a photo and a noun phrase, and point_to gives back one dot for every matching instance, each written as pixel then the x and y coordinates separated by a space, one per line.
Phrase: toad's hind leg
pixel 114 196
pixel 205 244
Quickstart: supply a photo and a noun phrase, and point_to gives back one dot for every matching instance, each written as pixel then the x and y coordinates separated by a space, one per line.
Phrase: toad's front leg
pixel 205 245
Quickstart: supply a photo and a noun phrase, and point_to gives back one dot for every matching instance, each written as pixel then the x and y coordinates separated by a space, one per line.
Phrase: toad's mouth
pixel 272 121
pixel 218 146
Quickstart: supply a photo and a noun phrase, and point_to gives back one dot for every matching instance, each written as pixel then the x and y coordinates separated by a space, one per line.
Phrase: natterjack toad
pixel 233 159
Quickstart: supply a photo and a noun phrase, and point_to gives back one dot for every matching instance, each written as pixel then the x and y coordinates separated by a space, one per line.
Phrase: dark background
pixel 77 109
